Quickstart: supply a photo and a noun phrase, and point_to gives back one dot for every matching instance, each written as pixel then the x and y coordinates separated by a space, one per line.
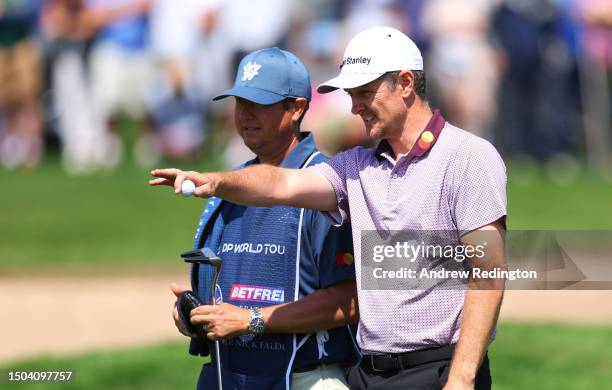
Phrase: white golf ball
pixel 187 188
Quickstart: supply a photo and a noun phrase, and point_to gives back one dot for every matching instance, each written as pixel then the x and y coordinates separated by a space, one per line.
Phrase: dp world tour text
pixel 247 247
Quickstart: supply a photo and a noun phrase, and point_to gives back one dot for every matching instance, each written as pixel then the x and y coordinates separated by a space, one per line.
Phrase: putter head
pixel 202 256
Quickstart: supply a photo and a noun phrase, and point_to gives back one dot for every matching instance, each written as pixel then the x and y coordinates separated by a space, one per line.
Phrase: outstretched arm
pixel 259 185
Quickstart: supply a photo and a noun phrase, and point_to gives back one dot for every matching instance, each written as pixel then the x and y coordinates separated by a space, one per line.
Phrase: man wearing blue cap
pixel 275 255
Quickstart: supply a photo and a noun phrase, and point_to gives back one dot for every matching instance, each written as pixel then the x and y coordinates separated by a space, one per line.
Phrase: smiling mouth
pixel 251 128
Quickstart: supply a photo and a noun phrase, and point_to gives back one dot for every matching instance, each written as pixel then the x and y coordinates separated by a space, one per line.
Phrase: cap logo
pixel 355 60
pixel 250 70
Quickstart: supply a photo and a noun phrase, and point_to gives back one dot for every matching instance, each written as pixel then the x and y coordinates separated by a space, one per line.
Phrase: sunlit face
pixel 380 106
pixel 265 129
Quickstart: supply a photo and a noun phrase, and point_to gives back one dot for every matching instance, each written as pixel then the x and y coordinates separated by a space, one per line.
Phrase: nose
pixel 357 106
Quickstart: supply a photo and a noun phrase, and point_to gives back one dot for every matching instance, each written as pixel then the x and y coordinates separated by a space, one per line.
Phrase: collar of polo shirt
pixel 424 142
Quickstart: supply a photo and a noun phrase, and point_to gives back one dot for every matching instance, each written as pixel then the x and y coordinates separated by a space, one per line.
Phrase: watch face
pixel 258 327
pixel 256 324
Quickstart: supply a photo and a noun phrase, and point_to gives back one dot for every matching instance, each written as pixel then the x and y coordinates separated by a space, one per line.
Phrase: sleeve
pixel 332 250
pixel 478 193
pixel 334 170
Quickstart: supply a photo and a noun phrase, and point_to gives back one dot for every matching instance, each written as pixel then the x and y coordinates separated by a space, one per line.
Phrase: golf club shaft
pixel 218 364
pixel 217 353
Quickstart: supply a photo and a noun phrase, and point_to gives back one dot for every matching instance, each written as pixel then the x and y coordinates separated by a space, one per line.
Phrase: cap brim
pixel 251 94
pixel 344 81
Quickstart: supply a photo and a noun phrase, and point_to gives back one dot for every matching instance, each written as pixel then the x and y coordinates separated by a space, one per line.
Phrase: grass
pixel 551 357
pixel 539 203
pixel 166 366
pixel 523 357
pixel 50 220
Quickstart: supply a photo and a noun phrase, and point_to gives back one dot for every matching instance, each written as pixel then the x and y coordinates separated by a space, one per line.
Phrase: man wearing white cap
pixel 424 176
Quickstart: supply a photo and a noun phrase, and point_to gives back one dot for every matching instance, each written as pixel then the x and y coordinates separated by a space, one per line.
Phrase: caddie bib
pixel 259 248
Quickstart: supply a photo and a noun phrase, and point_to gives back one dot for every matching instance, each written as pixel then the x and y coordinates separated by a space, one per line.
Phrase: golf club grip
pixel 187 302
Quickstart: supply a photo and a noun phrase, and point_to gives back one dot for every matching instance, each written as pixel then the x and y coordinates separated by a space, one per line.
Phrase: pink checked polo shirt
pixel 450 180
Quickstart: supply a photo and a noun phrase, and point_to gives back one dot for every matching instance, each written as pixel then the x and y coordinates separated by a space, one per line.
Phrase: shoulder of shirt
pixel 355 152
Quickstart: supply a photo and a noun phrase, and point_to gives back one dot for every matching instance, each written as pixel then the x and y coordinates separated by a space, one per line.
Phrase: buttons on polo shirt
pixel 399 169
pixel 427 136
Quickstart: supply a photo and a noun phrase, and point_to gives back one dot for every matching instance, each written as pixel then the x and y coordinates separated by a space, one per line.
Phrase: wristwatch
pixel 256 323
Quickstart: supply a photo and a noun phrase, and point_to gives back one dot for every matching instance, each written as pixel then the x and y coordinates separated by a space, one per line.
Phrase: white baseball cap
pixel 372 53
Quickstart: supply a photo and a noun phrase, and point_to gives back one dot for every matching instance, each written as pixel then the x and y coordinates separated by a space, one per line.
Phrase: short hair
pixel 420 82
pixel 288 102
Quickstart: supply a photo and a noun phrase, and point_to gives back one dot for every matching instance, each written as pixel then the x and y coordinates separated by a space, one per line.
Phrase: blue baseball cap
pixel 268 76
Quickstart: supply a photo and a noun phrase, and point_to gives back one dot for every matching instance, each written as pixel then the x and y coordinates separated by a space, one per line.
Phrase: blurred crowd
pixel 532 76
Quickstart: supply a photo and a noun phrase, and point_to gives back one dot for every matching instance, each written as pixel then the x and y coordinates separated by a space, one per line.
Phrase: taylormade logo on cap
pixel 372 53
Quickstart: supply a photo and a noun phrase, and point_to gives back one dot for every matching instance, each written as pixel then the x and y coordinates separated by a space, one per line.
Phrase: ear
pixel 406 81
pixel 299 106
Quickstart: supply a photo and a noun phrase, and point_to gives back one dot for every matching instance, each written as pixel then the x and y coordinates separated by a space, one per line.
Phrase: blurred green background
pixel 53 220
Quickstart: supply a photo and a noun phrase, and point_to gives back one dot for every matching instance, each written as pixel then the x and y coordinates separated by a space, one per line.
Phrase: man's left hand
pixel 221 321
